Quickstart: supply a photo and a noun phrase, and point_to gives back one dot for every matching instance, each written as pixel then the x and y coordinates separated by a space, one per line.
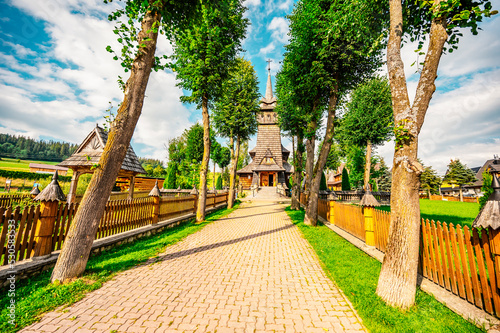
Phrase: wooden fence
pixel 448 198
pixel 465 261
pixel 8 200
pixel 119 216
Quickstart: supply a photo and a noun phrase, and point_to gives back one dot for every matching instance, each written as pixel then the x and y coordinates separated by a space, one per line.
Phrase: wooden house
pixel 269 165
pixel 88 154
pixel 47 168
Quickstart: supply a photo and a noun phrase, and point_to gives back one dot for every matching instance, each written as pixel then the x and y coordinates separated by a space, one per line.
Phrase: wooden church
pixel 269 165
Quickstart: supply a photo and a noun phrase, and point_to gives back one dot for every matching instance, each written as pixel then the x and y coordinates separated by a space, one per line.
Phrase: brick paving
pixel 251 271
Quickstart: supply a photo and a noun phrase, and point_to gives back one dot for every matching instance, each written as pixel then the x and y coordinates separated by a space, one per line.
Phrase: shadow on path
pixel 184 253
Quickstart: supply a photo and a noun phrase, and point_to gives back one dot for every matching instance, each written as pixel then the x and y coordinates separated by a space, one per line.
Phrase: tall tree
pixel 368 120
pixel 346 185
pixel 234 114
pixel 78 243
pixel 439 21
pixel 460 175
pixel 487 189
pixel 334 45
pixel 430 181
pixel 203 54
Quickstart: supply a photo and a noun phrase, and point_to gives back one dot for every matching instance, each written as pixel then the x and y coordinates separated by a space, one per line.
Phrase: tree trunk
pixel 398 276
pixel 232 176
pixel 368 164
pixel 202 199
pixel 78 243
pixel 461 194
pixel 296 178
pixel 213 180
pixel 311 216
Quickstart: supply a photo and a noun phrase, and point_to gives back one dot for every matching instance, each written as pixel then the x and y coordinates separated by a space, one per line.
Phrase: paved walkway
pixel 249 272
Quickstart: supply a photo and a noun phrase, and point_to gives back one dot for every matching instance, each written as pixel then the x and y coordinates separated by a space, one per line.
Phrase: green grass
pixel 37 295
pixel 356 274
pixel 455 212
pixel 22 165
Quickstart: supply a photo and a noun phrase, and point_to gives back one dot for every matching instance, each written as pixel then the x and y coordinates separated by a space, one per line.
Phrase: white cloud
pixel 267 49
pixel 279 28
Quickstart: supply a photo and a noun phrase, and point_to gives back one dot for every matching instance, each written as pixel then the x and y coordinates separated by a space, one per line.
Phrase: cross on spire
pixel 269 64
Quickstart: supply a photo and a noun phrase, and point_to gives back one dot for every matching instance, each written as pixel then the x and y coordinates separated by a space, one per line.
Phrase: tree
pixel 171 182
pixel 203 54
pixel 138 57
pixel 355 164
pixel 333 159
pixel 486 189
pixel 440 21
pixel 234 114
pixel 368 120
pixel 333 46
pixel 460 175
pixel 323 186
pixel 78 243
pixel 218 186
pixel 384 178
pixel 346 185
pixel 430 181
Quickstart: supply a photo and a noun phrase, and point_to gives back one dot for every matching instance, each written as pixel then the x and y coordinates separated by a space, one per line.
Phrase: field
pixel 19 165
pixel 462 213
pixel 13 164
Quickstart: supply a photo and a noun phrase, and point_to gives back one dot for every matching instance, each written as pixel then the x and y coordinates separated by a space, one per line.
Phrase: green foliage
pixel 322 185
pixel 194 143
pixel 486 189
pixel 430 181
pixel 171 181
pixel 356 165
pixel 382 177
pixel 206 49
pixel 36 295
pixel 459 174
pixel 464 14
pixel 341 259
pixel 346 184
pixel 218 184
pixel 30 175
pixel 234 113
pixel 369 114
pixel 20 147
pixel 402 134
pixel 333 158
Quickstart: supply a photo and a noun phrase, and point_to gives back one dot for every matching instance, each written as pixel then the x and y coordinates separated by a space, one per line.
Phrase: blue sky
pixel 56 80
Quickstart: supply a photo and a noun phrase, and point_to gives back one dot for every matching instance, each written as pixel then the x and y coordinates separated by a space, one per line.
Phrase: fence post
pixel 368 201
pixel 49 198
pixel 369 226
pixel 331 212
pixel 194 192
pixel 155 193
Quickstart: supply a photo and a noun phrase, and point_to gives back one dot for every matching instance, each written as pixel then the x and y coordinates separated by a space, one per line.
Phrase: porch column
pixel 73 186
pixel 131 188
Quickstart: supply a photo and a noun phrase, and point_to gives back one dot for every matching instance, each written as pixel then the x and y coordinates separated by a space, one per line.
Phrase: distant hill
pixel 21 147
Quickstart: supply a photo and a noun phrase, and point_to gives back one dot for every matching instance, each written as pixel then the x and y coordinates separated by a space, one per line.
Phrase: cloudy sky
pixel 56 80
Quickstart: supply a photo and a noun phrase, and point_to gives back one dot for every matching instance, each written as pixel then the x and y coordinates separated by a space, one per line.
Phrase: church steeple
pixel 269 86
pixel 268 102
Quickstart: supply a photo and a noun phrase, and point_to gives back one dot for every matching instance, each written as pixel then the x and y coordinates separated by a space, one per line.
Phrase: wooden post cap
pixel 52 192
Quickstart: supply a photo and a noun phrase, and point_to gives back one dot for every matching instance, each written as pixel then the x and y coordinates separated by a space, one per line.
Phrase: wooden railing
pixel 119 216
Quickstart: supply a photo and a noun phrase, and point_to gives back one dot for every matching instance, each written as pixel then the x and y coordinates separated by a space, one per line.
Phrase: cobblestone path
pixel 251 271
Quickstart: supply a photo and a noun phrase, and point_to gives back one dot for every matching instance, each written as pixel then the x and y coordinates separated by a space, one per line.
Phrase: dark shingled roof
pixel 489 216
pixel 93 146
pixel 492 165
pixel 368 200
pixel 52 192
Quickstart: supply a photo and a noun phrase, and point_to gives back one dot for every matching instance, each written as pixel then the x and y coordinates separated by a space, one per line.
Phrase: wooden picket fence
pixel 350 218
pixel 323 208
pixel 8 200
pixel 462 260
pixel 119 216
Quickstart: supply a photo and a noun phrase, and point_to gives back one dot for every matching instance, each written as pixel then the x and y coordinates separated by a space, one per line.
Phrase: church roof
pixel 90 150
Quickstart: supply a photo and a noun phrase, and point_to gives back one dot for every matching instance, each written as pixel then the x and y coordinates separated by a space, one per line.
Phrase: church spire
pixel 269 86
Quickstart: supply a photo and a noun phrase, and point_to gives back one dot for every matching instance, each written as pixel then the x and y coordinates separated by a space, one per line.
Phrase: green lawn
pixel 37 295
pixel 356 274
pixel 23 165
pixel 455 212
